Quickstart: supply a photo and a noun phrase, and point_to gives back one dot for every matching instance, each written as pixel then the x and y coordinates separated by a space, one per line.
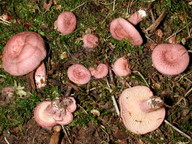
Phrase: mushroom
pixel 40 76
pixel 100 72
pixel 170 59
pixel 137 17
pixel 122 29
pixel 121 67
pixel 23 53
pixel 50 113
pixel 78 74
pixel 141 112
pixel 90 41
pixel 66 22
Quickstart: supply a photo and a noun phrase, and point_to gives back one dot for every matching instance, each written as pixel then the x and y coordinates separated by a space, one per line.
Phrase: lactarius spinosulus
pixel 141 112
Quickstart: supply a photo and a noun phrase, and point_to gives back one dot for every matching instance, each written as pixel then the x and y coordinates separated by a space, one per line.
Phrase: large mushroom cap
pixel 122 29
pixel 79 74
pixel 23 53
pixel 66 22
pixel 134 118
pixel 170 59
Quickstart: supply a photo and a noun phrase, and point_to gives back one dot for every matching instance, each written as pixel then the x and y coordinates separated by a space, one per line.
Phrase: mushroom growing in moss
pixel 78 74
pixel 23 53
pixel 90 41
pixel 170 59
pixel 140 111
pixel 122 29
pixel 66 22
pixel 121 67
pixel 50 113
pixel 100 72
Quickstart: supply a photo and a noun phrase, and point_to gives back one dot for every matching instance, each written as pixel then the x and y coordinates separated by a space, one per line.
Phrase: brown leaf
pixel 48 6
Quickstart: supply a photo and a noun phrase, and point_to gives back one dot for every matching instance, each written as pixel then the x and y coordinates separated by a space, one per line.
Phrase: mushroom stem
pixel 55 137
pixel 152 104
pixel 137 17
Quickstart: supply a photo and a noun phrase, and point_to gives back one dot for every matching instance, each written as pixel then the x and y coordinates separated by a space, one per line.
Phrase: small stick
pixel 65 132
pixel 79 6
pixel 115 105
pixel 182 133
pixel 5 21
pixel 188 92
pixel 142 78
pixel 6 140
pixel 114 3
pixel 153 27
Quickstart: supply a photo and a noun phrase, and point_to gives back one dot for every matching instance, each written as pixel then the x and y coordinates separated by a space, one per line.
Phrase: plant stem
pixel 182 133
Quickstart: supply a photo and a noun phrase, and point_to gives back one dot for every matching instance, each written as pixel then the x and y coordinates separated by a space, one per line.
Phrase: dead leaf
pixel 48 6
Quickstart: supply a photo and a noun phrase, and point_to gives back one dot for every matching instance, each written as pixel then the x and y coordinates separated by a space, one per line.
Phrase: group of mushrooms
pixel 140 110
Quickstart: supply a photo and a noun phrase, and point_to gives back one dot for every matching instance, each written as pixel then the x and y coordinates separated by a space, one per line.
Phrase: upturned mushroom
pixel 50 113
pixel 90 41
pixel 100 72
pixel 79 74
pixel 141 112
pixel 66 22
pixel 23 53
pixel 123 29
pixel 121 67
pixel 170 59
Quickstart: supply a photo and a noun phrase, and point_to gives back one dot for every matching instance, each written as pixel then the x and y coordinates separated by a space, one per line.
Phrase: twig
pixel 79 6
pixel 65 132
pixel 142 78
pixel 114 3
pixel 115 104
pixel 4 21
pixel 182 133
pixel 188 92
pixel 153 27
pixel 6 140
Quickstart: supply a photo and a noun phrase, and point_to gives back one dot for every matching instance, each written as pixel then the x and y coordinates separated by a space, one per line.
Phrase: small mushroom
pixel 78 74
pixel 170 59
pixel 100 72
pixel 66 22
pixel 122 29
pixel 141 112
pixel 137 17
pixel 23 53
pixel 50 113
pixel 121 67
pixel 90 41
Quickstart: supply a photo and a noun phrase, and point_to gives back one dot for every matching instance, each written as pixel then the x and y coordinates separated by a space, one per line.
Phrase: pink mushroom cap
pixel 122 29
pixel 79 74
pixel 23 53
pixel 45 118
pixel 134 117
pixel 90 41
pixel 100 72
pixel 170 59
pixel 66 22
pixel 121 67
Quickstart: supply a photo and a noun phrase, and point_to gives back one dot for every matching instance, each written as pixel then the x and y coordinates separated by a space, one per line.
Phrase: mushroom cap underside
pixel 133 117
